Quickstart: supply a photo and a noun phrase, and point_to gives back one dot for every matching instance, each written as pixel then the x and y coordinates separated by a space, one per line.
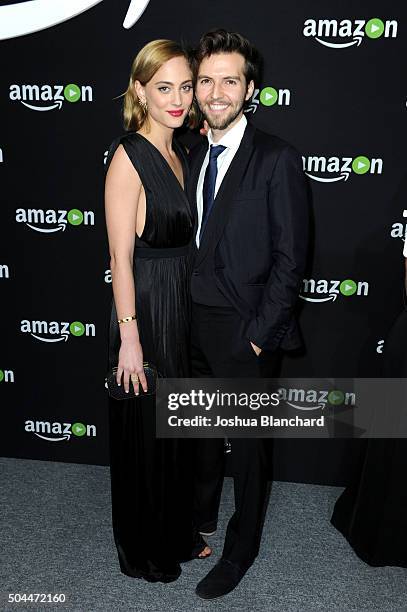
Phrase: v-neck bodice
pixel 179 153
pixel 168 214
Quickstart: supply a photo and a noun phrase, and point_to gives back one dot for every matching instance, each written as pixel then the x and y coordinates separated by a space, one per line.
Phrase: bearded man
pixel 250 199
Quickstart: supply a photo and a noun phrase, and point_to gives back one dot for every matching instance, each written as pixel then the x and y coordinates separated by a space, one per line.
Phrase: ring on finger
pixel 134 377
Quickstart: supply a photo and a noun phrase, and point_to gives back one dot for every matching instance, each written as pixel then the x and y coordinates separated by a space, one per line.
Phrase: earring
pixel 143 105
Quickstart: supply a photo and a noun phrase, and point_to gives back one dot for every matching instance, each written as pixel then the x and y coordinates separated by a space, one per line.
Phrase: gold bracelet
pixel 126 319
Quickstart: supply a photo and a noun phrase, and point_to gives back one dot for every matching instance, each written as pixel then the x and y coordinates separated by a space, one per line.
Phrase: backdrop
pixel 332 87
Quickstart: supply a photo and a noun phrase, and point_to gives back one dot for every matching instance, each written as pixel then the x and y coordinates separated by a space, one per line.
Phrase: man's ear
pixel 250 90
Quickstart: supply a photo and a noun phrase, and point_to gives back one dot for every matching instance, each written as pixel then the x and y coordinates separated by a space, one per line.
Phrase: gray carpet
pixel 56 538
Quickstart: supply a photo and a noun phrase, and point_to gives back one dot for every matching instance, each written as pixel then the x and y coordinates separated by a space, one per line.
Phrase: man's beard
pixel 221 123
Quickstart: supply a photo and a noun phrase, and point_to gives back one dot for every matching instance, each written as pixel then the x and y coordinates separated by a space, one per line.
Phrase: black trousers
pixel 219 349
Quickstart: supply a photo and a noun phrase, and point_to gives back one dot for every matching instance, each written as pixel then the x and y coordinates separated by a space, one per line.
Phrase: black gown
pixel 151 488
pixel 372 511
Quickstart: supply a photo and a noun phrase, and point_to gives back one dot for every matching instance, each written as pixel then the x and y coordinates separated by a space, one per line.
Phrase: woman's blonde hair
pixel 146 63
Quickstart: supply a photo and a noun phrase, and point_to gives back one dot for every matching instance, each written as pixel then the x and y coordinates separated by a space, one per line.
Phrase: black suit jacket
pixel 258 231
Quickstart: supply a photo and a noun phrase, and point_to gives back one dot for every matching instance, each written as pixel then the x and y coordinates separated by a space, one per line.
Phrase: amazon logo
pixel 49 97
pixel 348 32
pixel 315 399
pixel 59 432
pixel 269 96
pixel 334 168
pixel 59 220
pixel 59 331
pixel 323 290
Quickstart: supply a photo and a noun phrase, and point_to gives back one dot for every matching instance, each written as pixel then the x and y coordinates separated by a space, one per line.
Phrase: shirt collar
pixel 233 137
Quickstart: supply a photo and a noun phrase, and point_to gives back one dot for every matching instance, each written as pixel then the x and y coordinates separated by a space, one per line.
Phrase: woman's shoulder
pixel 130 142
pixel 130 138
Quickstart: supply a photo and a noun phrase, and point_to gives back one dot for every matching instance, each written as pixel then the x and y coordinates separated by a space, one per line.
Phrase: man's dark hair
pixel 221 41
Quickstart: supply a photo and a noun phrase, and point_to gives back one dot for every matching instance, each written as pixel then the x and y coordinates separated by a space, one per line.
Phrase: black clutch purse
pixel 117 391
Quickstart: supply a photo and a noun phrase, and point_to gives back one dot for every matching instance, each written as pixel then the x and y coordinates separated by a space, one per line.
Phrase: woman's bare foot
pixel 205 553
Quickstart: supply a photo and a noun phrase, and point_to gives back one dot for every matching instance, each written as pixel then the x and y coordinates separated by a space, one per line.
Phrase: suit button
pixel 195 273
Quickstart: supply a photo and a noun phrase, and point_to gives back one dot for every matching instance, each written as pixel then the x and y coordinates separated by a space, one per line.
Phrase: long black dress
pixel 372 511
pixel 150 483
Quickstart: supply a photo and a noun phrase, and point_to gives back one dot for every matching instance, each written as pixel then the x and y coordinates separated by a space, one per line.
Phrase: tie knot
pixel 215 151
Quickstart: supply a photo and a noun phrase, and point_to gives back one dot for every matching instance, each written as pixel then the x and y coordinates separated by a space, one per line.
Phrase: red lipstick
pixel 176 113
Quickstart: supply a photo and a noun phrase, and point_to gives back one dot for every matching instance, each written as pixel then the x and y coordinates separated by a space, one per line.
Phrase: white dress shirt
pixel 231 140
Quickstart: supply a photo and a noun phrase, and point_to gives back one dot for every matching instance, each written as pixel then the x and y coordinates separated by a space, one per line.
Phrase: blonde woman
pixel 149 226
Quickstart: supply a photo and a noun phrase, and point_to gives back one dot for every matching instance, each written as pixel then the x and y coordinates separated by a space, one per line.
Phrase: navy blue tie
pixel 208 191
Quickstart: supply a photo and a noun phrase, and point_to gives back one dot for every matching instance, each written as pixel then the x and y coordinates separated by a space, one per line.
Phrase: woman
pixel 372 511
pixel 149 225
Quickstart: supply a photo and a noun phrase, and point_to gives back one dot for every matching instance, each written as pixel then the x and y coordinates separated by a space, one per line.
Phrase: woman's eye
pixel 187 87
pixel 164 89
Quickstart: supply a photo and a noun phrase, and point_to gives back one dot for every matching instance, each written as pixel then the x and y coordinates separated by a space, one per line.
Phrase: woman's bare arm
pixel 122 192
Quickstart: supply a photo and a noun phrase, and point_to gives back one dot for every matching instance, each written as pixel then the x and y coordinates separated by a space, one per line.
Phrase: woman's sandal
pixel 200 546
pixel 201 556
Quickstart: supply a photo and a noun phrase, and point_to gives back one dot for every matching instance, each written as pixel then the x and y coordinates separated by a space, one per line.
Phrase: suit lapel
pixel 224 198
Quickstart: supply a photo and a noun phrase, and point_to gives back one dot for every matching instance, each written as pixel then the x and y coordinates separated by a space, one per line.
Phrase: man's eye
pixel 164 89
pixel 204 81
pixel 231 82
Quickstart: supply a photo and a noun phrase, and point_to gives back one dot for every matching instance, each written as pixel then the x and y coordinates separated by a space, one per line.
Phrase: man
pixel 251 233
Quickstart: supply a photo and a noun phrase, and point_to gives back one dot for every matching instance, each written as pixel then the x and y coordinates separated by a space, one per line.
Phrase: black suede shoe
pixel 222 579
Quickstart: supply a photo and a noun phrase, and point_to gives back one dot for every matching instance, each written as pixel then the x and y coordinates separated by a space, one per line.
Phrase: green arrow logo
pixel 75 216
pixel 348 287
pixel 72 92
pixel 77 328
pixel 1 375
pixel 374 28
pixel 268 96
pixel 336 397
pixel 78 429
pixel 361 164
